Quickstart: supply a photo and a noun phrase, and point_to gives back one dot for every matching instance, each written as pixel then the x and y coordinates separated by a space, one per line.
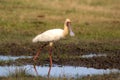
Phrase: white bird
pixel 51 36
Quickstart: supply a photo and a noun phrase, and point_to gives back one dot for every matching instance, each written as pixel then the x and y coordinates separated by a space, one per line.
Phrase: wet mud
pixel 96 62
pixel 64 55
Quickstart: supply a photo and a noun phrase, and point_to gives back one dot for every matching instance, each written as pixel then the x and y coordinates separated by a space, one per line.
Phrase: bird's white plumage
pixel 49 35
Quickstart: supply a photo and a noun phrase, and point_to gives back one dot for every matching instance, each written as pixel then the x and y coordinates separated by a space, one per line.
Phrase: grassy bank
pixel 92 20
pixel 95 23
pixel 112 76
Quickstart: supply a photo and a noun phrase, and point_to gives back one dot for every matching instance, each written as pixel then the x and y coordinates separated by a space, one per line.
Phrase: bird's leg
pixel 50 53
pixel 38 52
pixel 50 56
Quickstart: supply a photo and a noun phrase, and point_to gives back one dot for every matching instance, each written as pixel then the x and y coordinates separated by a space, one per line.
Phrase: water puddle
pixel 4 58
pixel 93 55
pixel 56 71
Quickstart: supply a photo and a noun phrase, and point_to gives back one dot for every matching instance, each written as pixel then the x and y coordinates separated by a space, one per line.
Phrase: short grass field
pixel 92 20
pixel 96 24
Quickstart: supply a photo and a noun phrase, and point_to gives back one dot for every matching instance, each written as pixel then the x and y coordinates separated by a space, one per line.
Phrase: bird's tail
pixel 34 40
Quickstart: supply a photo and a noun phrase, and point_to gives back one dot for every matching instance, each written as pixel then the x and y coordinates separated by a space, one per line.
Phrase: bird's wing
pixel 49 35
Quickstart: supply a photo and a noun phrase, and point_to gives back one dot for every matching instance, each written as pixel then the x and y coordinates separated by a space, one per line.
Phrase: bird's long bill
pixel 71 32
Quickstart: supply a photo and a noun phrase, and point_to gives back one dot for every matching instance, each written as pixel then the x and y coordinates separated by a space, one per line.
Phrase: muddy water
pixel 56 71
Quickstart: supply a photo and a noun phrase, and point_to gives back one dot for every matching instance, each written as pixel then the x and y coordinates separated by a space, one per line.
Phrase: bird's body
pixel 49 35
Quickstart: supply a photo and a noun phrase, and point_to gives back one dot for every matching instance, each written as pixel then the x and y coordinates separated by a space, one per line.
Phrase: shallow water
pixel 17 57
pixel 93 55
pixel 13 57
pixel 56 71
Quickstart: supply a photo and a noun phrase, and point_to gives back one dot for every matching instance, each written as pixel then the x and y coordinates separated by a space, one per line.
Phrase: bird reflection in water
pixel 34 66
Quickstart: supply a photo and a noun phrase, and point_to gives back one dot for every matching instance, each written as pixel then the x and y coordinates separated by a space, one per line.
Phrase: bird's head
pixel 68 24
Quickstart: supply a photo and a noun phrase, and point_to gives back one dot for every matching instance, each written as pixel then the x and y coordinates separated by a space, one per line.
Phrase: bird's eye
pixel 68 23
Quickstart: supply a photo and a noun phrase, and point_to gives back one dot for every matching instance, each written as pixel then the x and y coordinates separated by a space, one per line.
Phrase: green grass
pixel 112 76
pixel 92 20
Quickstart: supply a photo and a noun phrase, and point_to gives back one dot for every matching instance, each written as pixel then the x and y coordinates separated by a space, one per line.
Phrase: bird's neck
pixel 65 30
